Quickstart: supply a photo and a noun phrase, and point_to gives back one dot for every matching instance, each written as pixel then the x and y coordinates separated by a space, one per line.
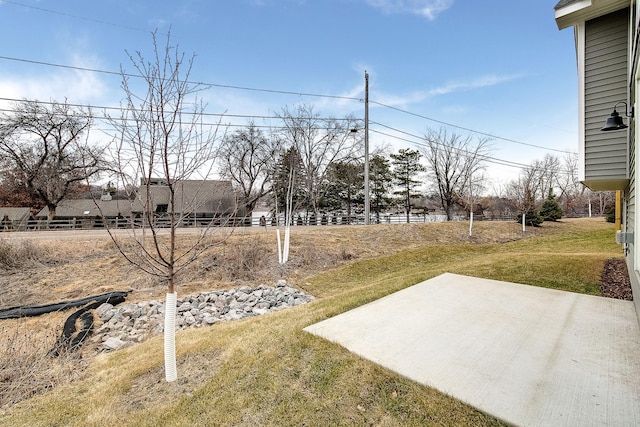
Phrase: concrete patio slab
pixel 529 356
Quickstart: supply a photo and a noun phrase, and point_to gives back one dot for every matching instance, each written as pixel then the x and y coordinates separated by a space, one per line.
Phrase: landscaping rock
pixel 113 343
pixel 105 312
pixel 132 323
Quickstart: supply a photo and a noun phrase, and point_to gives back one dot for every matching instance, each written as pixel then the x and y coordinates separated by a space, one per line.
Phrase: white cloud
pixel 345 103
pixel 447 88
pixel 429 9
pixel 44 83
pixel 480 82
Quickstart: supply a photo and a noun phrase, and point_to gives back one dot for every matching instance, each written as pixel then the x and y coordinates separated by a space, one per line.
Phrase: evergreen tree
pixel 551 210
pixel 380 180
pixel 346 185
pixel 532 218
pixel 406 165
pixel 610 216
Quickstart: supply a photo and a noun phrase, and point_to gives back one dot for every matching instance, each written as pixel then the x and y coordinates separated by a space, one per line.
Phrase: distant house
pixel 196 202
pixel 197 199
pixel 14 218
pixel 87 213
pixel 607 49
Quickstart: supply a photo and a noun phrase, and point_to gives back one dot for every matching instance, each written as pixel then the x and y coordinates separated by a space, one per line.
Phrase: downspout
pixel 618 210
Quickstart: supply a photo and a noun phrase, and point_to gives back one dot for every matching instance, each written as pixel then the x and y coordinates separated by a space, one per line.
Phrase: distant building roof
pixel 15 214
pixel 79 208
pixel 197 196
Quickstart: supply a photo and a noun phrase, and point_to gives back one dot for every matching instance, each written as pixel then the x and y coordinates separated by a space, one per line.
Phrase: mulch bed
pixel 614 282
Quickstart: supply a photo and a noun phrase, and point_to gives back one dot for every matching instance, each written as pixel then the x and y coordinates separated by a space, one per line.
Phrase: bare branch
pixel 161 144
pixel 453 162
pixel 44 143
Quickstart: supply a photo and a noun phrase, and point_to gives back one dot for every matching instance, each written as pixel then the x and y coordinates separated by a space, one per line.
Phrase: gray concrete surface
pixel 526 355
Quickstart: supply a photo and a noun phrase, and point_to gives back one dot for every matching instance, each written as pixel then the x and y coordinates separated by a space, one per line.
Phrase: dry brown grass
pixel 75 266
pixel 26 369
pixel 262 348
pixel 21 254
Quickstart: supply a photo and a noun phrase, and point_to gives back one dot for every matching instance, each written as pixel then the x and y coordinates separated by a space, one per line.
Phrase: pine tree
pixel 406 165
pixel 381 181
pixel 532 218
pixel 531 215
pixel 346 186
pixel 551 210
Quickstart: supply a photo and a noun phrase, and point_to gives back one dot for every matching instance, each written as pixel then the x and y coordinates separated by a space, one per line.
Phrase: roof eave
pixel 583 10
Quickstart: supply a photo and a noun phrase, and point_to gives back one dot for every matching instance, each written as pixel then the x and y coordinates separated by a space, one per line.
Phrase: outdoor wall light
pixel 615 122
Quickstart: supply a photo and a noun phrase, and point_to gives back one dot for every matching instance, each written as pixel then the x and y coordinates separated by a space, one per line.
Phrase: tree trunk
pixel 408 202
pixel 170 369
pixel 408 208
pixel 449 212
pixel 52 212
pixel 348 207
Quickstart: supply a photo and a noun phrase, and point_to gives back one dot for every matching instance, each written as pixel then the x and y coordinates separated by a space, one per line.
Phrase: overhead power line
pixel 186 113
pixel 485 157
pixel 418 141
pixel 421 143
pixel 69 15
pixel 471 130
pixel 295 93
pixel 118 73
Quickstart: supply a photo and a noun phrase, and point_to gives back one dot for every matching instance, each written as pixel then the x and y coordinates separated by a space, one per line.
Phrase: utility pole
pixel 366 149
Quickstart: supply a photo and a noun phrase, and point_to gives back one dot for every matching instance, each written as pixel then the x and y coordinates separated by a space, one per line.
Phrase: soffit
pixel 570 13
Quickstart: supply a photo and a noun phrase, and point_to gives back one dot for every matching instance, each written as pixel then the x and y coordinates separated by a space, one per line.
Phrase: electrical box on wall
pixel 623 238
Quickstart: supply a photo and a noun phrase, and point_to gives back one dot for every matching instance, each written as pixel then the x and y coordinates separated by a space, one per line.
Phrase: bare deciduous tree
pixel 548 172
pixel 523 189
pixel 453 161
pixel 319 142
pixel 287 183
pixel 247 157
pixel 162 142
pixel 526 191
pixel 572 191
pixel 46 144
pixel 533 184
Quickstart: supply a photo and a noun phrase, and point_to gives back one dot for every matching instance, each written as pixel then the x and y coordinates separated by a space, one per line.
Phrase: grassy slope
pixel 267 371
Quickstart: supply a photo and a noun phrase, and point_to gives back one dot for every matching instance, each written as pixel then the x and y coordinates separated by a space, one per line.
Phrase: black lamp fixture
pixel 615 122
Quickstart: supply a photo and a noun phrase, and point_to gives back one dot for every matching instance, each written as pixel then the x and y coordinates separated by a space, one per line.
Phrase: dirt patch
pixel 615 282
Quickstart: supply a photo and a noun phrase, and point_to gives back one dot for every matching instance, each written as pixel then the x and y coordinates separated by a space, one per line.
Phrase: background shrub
pixel 20 253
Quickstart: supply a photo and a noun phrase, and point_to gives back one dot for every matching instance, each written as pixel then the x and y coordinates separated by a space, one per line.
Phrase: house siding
pixel 605 84
pixel 631 211
pixel 609 72
pixel 630 221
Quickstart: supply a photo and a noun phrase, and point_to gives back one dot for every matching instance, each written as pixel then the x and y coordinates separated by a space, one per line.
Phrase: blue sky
pixel 495 66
